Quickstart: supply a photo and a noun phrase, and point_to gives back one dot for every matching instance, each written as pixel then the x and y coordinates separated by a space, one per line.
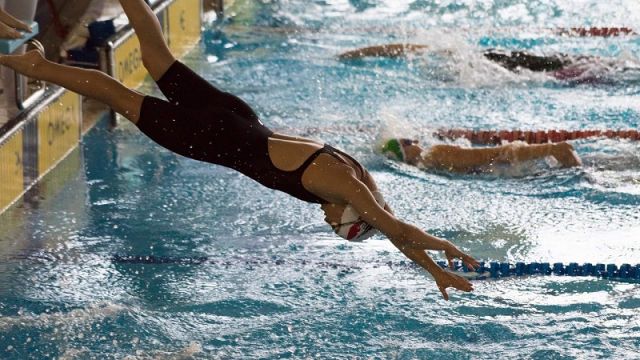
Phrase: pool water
pixel 146 255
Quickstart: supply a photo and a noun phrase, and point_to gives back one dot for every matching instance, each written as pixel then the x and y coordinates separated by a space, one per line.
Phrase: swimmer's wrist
pixel 442 244
pixel 436 270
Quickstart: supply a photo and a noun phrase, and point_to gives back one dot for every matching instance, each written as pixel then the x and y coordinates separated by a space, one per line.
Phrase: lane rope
pixel 488 270
pixel 496 137
pixel 597 31
pixel 495 270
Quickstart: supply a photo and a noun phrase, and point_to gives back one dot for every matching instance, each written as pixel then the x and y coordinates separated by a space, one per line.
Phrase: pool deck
pixel 37 139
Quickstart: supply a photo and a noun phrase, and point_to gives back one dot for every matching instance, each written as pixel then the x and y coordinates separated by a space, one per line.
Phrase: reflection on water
pixel 276 281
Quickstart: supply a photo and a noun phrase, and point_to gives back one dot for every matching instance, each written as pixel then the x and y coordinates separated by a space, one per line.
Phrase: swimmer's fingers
pixel 470 262
pixel 446 279
pixel 443 291
pixel 450 261
pixel 454 253
pixel 467 260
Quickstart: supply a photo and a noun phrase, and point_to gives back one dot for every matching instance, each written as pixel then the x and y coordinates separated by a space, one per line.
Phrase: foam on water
pixel 75 317
pixel 452 58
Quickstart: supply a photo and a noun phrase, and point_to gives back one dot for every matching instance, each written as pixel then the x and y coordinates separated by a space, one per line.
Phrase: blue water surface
pixel 229 269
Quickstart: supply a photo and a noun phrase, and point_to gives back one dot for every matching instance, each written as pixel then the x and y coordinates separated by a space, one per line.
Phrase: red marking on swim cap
pixel 354 230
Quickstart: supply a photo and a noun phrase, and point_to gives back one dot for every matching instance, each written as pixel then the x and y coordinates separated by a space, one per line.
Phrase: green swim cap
pixel 394 148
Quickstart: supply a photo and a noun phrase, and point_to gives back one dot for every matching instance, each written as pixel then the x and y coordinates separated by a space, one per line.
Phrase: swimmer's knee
pixel 129 106
pixel 158 65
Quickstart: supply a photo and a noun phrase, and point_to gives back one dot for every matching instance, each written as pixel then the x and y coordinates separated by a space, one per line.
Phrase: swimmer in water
pixel 457 159
pixel 580 68
pixel 204 123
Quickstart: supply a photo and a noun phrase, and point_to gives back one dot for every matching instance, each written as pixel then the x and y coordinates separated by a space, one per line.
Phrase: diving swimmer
pixel 457 159
pixel 204 123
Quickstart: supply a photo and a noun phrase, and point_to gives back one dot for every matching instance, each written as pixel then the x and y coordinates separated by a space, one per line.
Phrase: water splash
pixel 76 317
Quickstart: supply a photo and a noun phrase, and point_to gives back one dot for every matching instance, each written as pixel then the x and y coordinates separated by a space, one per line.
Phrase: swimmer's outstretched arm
pixel 342 187
pixel 388 50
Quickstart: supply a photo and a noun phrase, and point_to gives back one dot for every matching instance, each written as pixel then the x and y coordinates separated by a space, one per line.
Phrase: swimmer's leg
pixel 181 85
pixel 90 83
pixel 156 56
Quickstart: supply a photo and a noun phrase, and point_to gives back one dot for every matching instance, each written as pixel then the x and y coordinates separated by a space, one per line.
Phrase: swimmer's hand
pixel 452 253
pixel 445 279
pixel 565 154
pixel 414 243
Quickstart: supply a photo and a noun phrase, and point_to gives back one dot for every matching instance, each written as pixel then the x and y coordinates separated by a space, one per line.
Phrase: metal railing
pixel 26 96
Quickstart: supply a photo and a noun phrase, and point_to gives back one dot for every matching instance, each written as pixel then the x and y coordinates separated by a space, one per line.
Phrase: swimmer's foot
pixel 565 154
pixel 7 32
pixel 27 64
pixel 12 22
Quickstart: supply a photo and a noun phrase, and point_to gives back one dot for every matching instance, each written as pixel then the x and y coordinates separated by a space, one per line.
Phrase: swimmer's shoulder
pixel 288 153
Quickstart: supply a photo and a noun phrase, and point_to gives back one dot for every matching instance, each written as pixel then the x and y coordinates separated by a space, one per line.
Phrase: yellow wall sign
pixel 58 130
pixel 183 25
pixel 127 63
pixel 11 170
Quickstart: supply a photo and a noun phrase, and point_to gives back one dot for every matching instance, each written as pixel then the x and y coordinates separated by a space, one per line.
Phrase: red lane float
pixel 496 137
pixel 596 31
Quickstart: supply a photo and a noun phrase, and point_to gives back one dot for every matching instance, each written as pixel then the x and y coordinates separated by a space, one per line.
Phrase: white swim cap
pixel 352 227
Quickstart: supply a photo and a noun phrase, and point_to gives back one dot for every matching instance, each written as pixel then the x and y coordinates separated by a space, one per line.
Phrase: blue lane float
pixel 8 46
pixel 486 271
pixel 497 270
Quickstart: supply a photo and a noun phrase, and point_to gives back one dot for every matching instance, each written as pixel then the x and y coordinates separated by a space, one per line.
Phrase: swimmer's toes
pixel 23 26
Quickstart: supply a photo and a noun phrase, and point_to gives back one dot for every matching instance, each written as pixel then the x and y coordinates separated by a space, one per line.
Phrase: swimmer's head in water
pixel 394 148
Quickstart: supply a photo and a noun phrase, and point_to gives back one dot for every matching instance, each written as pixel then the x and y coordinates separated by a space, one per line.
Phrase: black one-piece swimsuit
pixel 204 123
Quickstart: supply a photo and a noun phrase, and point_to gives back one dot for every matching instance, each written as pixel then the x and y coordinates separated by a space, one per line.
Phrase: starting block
pixel 8 46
